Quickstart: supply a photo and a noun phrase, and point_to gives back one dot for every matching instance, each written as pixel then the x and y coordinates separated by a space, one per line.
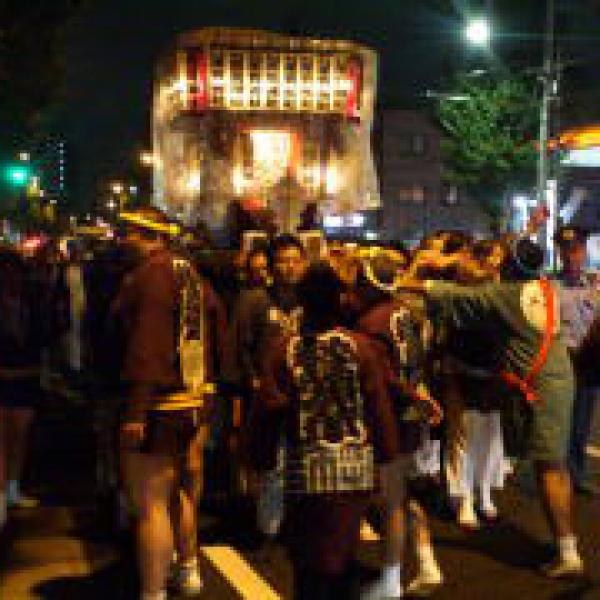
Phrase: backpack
pixel 329 450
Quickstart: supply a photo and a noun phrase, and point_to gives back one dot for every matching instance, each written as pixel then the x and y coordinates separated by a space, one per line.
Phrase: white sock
pixel 13 492
pixel 567 548
pixel 486 499
pixel 467 502
pixel 162 595
pixel 426 558
pixel 392 576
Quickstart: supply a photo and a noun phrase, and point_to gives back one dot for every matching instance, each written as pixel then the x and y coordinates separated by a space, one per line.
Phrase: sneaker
pixel 189 582
pixel 425 583
pixel 564 568
pixel 380 589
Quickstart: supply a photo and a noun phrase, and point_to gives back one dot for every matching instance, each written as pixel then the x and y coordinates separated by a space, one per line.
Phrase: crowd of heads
pixel 447 255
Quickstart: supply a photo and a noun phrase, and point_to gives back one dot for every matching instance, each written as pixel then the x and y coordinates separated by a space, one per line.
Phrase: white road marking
pixel 239 574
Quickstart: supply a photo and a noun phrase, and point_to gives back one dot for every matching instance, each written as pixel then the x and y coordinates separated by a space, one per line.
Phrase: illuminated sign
pixel 582 157
pixel 238 79
pixel 352 220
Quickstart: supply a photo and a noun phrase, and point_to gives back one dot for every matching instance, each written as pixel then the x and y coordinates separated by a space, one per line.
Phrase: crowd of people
pixel 337 376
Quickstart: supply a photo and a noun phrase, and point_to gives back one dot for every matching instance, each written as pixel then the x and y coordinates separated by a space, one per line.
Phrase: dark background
pixel 109 47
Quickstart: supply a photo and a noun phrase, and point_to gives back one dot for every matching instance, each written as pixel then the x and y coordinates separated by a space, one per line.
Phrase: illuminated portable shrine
pixel 272 121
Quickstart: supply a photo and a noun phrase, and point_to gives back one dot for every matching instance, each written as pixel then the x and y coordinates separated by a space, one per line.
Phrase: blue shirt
pixel 579 306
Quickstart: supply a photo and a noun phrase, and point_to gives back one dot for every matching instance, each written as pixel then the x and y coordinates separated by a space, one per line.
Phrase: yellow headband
pixel 169 228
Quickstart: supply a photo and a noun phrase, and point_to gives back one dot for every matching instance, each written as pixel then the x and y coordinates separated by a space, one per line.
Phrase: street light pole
pixel 548 81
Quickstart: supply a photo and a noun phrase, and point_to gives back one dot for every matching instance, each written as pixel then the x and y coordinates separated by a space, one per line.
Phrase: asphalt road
pixel 65 551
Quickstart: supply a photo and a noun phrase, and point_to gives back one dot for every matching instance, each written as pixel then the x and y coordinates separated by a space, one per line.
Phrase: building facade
pixel 415 199
pixel 50 161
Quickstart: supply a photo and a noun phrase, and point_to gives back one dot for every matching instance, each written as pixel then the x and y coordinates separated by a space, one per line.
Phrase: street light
pixel 116 188
pixel 147 159
pixel 478 32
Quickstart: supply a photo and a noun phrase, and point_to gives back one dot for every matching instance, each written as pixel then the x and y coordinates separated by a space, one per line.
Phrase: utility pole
pixel 548 81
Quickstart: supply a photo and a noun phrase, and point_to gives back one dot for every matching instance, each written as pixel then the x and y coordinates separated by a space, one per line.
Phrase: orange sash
pixel 525 384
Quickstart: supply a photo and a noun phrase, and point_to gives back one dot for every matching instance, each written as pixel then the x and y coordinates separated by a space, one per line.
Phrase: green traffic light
pixel 18 175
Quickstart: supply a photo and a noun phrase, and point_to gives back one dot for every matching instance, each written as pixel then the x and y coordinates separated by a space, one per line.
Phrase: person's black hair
pixel 482 249
pixel 523 262
pixel 399 247
pixel 257 248
pixel 368 294
pixel 455 241
pixel 10 256
pixel 284 241
pixel 319 294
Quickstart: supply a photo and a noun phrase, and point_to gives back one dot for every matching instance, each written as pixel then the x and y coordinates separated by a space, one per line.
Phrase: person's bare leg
pixel 421 533
pixel 3 448
pixel 393 502
pixel 151 480
pixel 556 494
pixel 3 467
pixel 429 575
pixel 395 527
pixel 184 508
pixel 188 498
pixel 18 427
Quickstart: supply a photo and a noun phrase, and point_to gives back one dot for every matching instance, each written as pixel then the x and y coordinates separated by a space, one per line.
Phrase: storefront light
pixel 332 179
pixel 180 86
pixel 238 181
pixel 194 182
pixel 355 220
pixel 333 221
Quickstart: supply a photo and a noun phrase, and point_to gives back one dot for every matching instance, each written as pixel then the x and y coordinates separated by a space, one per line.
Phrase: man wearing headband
pixel 165 309
pixel 580 304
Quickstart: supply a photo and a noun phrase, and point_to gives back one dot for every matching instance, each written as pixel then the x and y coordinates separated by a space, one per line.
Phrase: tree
pixel 490 124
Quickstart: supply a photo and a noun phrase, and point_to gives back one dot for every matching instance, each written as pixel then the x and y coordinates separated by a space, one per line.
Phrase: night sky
pixel 113 45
